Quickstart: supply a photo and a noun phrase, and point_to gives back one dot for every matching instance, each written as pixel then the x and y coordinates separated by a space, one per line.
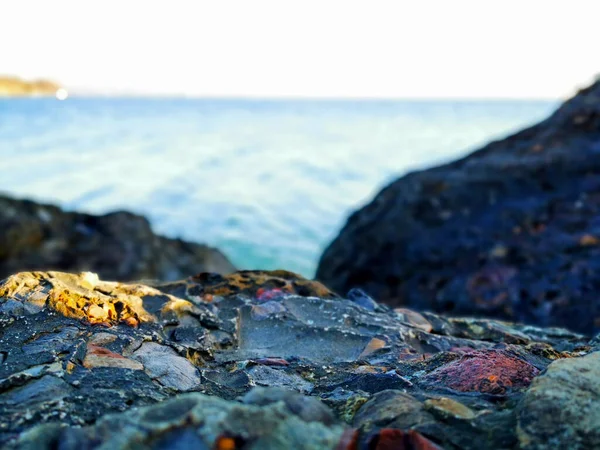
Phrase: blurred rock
pixel 86 363
pixel 511 231
pixel 118 246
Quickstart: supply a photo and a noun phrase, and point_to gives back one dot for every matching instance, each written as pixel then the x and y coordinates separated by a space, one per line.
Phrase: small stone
pixel 101 357
pixel 393 439
pixel 267 376
pixel 102 339
pixel 446 408
pixel 309 409
pixel 486 371
pixel 89 280
pixel 97 314
pixel 165 365
pixel 373 345
pixel 361 298
pixel 267 309
pixel 414 319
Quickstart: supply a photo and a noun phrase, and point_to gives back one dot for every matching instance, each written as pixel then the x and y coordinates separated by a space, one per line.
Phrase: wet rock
pixel 117 246
pixel 562 408
pixel 510 231
pixel 86 363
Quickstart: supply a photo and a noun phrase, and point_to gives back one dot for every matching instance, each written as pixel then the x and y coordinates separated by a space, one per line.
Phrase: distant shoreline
pixel 13 87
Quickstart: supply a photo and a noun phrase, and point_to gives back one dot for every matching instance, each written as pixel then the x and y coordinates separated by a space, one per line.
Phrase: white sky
pixel 371 48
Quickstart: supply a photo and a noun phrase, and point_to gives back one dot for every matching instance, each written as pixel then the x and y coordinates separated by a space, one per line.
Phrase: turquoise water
pixel 268 182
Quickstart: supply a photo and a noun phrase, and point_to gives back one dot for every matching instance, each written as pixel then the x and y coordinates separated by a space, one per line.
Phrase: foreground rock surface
pixel 269 360
pixel 117 246
pixel 511 231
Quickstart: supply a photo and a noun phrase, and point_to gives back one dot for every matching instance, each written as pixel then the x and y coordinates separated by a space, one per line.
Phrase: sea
pixel 269 182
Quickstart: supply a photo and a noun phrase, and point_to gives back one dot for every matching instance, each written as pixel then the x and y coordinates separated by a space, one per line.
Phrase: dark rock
pixel 511 231
pixel 92 364
pixel 307 408
pixel 117 246
pixel 193 419
pixel 359 297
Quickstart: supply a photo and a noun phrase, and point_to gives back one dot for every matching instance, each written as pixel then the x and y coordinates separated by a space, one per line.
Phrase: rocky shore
pixel 511 231
pixel 355 361
pixel 269 360
pixel 118 246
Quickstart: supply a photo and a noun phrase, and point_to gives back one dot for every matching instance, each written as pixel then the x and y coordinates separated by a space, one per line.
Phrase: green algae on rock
pixel 86 363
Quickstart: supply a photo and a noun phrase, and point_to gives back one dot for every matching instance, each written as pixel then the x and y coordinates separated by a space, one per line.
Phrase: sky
pixel 324 48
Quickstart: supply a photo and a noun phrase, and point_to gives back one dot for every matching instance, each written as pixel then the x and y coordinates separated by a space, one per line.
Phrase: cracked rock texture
pixel 269 360
pixel 511 231
pixel 117 246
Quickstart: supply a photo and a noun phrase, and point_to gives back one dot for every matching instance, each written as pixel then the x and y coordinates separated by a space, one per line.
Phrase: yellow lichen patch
pixel 81 296
pixel 249 282
pixel 24 285
pixel 85 297
pixel 96 307
pixel 178 306
pixel 70 367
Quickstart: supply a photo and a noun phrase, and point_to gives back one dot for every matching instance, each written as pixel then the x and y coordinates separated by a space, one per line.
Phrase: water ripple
pixel 269 182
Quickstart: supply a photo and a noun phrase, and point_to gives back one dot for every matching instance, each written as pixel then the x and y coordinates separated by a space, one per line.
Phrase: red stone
pixel 394 439
pixel 486 371
pixel 349 440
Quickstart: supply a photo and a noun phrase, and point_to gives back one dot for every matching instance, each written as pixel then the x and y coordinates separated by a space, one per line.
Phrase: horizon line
pixel 76 94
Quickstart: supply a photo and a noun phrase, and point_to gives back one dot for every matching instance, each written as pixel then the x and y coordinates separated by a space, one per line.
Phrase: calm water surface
pixel 268 182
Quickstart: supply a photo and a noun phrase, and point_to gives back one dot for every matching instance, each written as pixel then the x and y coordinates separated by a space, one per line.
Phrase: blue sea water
pixel 269 182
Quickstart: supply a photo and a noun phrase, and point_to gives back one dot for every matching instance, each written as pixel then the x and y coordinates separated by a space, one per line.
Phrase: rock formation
pixel 511 231
pixel 119 246
pixel 269 360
